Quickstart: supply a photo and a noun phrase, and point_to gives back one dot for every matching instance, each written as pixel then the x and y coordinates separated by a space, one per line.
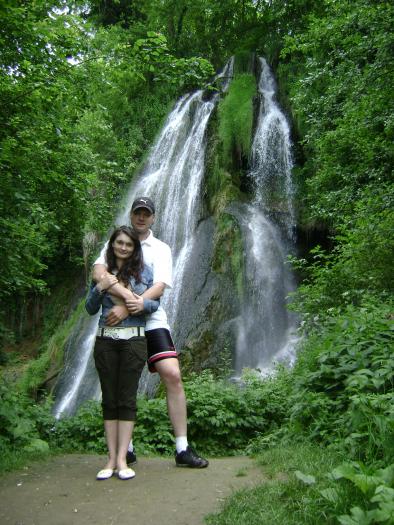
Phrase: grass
pixel 284 499
pixel 12 460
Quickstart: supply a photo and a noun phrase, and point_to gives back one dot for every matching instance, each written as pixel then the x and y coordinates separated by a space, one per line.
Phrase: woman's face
pixel 123 246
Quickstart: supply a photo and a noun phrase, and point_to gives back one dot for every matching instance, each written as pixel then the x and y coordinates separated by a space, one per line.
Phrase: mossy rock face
pixel 212 346
pixel 213 343
pixel 228 256
pixel 236 121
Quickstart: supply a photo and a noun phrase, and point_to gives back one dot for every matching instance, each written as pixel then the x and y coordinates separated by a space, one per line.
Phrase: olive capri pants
pixel 119 363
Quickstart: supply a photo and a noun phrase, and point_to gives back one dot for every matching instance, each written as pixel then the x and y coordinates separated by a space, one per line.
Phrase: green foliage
pixel 51 354
pixel 80 107
pixel 283 498
pixel 341 92
pixel 82 432
pixel 229 255
pixel 153 433
pixel 360 263
pixel 236 119
pixel 344 383
pixel 23 425
pixel 232 414
pixel 376 485
pixel 349 494
pixel 212 29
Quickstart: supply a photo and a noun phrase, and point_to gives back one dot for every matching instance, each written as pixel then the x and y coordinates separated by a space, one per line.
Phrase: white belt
pixel 126 332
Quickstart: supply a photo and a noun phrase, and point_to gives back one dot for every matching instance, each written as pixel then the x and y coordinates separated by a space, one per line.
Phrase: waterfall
pixel 172 178
pixel 266 329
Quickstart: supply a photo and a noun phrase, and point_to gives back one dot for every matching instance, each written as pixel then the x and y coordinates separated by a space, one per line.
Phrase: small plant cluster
pixel 24 426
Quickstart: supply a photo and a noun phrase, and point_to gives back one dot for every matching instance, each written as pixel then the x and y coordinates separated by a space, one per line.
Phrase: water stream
pixel 266 329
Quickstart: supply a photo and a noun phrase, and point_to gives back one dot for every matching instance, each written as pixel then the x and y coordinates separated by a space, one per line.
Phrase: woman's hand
pixel 106 281
pixel 116 315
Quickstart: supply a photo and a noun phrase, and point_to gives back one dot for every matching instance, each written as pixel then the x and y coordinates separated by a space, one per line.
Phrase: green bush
pixel 82 432
pixel 359 265
pixel 344 382
pixel 23 425
pixel 224 417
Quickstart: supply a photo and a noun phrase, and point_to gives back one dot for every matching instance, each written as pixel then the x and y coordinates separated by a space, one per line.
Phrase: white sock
pixel 181 443
pixel 130 448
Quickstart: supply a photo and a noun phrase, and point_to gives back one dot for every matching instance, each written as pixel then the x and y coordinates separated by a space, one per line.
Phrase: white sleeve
pixel 101 258
pixel 162 266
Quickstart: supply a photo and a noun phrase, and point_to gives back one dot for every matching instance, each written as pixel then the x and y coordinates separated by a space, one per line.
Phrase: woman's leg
pixel 106 355
pixel 111 427
pixel 132 362
pixel 125 431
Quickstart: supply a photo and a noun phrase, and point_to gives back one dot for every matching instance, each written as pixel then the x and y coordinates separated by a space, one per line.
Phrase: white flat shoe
pixel 126 473
pixel 106 473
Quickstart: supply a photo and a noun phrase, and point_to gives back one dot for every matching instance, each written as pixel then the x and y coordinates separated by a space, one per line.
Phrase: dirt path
pixel 63 491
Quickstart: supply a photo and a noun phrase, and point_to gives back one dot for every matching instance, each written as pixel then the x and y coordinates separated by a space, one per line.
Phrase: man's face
pixel 141 220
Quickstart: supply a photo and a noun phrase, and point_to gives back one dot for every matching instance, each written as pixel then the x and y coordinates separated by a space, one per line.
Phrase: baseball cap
pixel 143 202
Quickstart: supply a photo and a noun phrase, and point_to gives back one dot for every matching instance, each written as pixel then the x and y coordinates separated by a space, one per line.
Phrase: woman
pixel 120 352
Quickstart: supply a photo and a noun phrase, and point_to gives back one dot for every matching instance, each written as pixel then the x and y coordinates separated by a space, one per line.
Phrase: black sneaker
pixel 131 458
pixel 188 458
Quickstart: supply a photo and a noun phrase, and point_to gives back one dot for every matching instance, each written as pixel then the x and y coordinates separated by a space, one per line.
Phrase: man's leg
pixel 176 400
pixel 176 403
pixel 162 358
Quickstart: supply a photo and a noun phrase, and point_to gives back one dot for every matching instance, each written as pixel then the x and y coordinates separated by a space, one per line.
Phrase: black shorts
pixel 160 346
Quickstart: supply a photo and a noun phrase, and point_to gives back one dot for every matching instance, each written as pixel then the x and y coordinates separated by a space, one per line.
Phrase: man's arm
pixel 162 279
pixel 135 304
pixel 118 312
pixel 100 273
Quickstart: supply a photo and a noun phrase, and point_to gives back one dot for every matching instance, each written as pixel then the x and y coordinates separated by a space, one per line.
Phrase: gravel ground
pixel 63 491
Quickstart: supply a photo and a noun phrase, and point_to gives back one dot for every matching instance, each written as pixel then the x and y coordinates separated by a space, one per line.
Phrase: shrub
pixel 344 381
pixel 23 425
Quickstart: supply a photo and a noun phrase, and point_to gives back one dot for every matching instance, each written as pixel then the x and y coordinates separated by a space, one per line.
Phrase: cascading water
pixel 172 178
pixel 266 329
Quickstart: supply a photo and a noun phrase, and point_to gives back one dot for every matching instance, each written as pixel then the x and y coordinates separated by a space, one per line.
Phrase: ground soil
pixel 63 491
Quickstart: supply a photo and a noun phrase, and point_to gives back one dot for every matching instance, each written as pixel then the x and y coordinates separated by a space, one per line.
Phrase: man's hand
pixel 107 281
pixel 99 270
pixel 116 315
pixel 135 305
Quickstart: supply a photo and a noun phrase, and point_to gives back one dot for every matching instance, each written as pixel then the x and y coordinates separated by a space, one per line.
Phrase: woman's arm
pixel 93 300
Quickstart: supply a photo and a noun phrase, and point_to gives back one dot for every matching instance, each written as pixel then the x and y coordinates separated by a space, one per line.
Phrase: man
pixel 162 356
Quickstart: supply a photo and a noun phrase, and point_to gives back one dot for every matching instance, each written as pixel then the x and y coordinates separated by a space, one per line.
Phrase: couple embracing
pixel 129 277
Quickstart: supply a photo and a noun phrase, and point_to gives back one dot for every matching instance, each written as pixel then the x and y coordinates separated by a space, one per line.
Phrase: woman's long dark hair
pixel 133 265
